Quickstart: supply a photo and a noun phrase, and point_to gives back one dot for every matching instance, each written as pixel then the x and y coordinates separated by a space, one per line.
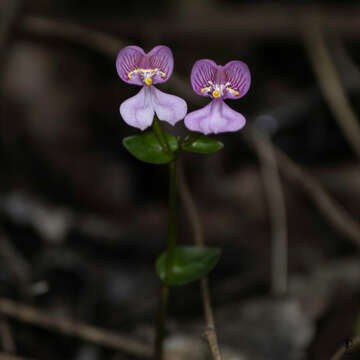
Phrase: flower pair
pixel 231 81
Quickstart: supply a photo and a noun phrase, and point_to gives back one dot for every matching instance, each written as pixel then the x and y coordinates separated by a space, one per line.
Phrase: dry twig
pixel 345 349
pixel 195 223
pixel 29 314
pixel 16 264
pixel 277 212
pixel 5 356
pixel 330 83
pixel 7 340
pixel 331 209
pixel 8 11
pixel 92 39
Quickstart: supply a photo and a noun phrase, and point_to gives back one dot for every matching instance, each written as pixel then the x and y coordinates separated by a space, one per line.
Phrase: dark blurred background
pixel 82 222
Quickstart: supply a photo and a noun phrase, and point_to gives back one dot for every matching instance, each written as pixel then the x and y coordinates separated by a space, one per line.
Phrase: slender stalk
pixel 277 211
pixel 194 219
pixel 160 324
pixel 172 218
pixel 172 228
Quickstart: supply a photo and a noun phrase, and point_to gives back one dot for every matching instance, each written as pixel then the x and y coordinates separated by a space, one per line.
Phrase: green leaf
pixel 190 263
pixel 202 144
pixel 146 147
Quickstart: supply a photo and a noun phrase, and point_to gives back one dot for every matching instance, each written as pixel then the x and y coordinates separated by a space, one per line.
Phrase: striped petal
pixel 161 58
pixel 202 72
pixel 238 75
pixel 129 59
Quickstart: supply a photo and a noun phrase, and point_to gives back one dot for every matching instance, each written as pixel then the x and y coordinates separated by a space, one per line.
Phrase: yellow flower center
pixel 218 90
pixel 146 74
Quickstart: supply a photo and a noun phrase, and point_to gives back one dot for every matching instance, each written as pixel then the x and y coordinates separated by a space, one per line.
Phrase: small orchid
pixel 231 81
pixel 136 67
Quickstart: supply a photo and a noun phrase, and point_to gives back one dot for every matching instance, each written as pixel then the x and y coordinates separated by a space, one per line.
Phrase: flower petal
pixel 169 108
pixel 238 74
pixel 202 72
pixel 138 111
pixel 130 59
pixel 216 117
pixel 161 58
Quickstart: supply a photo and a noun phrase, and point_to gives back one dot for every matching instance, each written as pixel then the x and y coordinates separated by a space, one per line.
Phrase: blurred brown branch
pixel 88 37
pixel 330 208
pixel 4 356
pixel 277 212
pixel 194 219
pixel 16 264
pixel 330 83
pixel 8 343
pixel 245 21
pixel 8 11
pixel 345 351
pixel 29 314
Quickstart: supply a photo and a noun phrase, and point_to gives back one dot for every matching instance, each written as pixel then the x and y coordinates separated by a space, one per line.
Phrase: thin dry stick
pixel 277 212
pixel 330 84
pixel 195 223
pixel 93 39
pixel 8 12
pixel 341 353
pixel 29 314
pixel 5 356
pixel 16 263
pixel 253 22
pixel 331 209
pixel 7 340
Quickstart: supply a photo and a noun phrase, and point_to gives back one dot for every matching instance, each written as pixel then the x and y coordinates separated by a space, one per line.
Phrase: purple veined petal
pixel 128 60
pixel 238 75
pixel 169 108
pixel 202 72
pixel 137 111
pixel 214 118
pixel 161 58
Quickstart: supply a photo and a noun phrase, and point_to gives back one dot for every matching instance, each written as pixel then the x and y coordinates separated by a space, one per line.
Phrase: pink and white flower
pixel 231 81
pixel 136 67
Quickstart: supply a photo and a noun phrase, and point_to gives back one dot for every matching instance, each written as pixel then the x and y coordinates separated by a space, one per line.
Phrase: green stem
pixel 172 221
pixel 172 218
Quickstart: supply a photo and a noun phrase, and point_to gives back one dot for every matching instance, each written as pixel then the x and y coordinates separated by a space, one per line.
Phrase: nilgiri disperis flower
pixel 231 81
pixel 136 67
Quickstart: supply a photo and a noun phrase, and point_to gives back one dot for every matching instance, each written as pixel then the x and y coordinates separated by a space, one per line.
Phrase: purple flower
pixel 231 81
pixel 136 67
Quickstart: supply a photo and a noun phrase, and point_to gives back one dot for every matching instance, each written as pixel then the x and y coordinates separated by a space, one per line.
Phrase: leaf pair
pixel 147 147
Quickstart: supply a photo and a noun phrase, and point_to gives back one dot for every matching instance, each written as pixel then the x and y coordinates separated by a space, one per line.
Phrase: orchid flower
pixel 231 81
pixel 136 67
